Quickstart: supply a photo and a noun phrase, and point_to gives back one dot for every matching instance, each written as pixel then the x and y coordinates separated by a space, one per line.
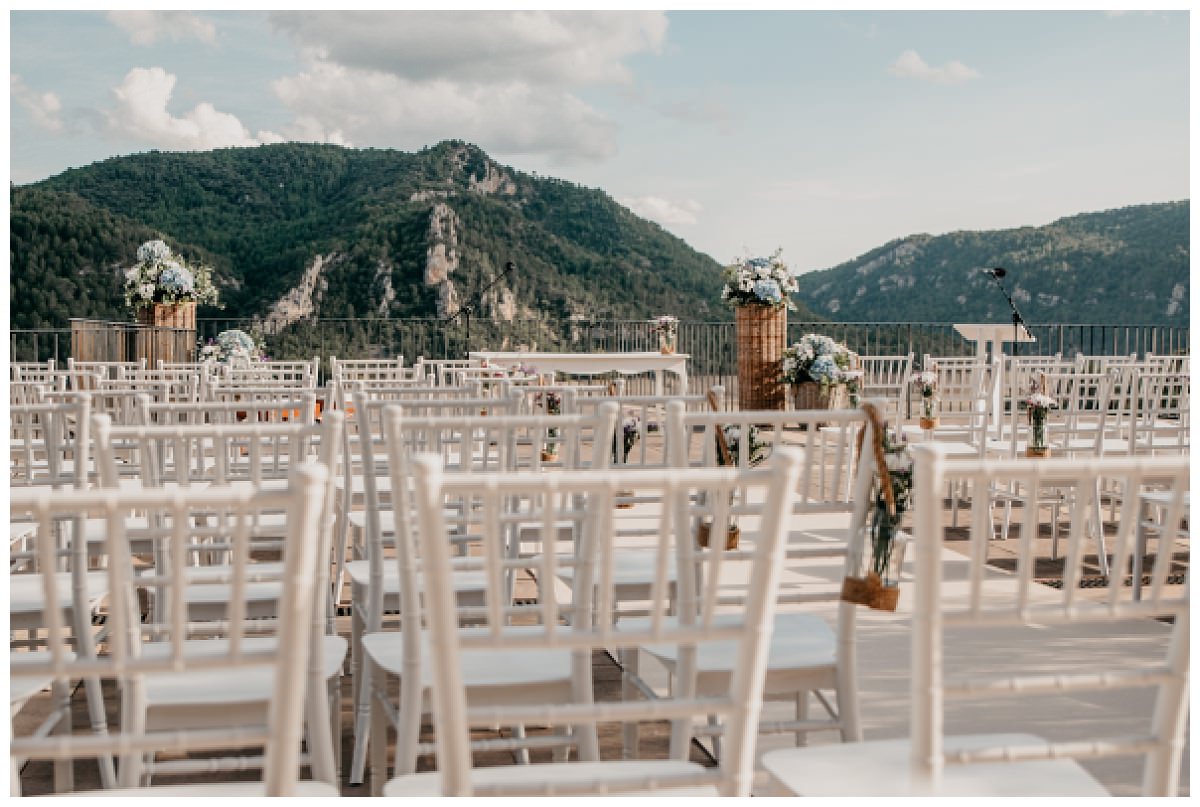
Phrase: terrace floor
pixel 883 649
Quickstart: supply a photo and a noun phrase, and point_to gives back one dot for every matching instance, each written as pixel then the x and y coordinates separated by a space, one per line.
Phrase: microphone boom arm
pixel 465 311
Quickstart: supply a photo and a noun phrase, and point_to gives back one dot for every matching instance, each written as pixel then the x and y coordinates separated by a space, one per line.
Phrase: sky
pixel 824 134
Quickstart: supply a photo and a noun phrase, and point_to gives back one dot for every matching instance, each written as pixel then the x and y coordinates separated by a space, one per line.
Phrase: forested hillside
pixel 1117 266
pixel 398 235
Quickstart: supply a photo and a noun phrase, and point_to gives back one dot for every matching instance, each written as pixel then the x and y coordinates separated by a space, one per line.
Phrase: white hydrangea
pixel 153 251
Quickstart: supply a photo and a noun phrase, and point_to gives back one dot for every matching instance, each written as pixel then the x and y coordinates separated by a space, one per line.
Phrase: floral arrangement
pixel 890 509
pixel 666 325
pixel 926 383
pixel 756 449
pixel 820 359
pixel 628 437
pixel 760 281
pixel 232 346
pixel 160 276
pixel 551 403
pixel 1039 403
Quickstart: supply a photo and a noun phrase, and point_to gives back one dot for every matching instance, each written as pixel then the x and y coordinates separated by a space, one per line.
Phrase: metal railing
pixel 710 345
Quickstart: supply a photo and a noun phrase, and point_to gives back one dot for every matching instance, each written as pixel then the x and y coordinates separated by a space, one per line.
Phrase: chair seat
pixel 631 567
pixel 359 572
pixel 430 784
pixel 803 646
pixel 22 688
pixel 481 669
pixel 882 768
pixel 218 790
pixel 207 688
pixel 25 592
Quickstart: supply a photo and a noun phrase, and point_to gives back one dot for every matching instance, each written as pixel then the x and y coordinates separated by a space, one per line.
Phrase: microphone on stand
pixel 997 272
pixel 465 311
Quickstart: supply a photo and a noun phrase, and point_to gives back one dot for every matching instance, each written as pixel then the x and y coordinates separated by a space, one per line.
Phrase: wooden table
pixel 597 364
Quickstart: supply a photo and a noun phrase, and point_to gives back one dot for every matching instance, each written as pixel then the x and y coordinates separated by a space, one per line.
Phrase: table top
pixel 597 357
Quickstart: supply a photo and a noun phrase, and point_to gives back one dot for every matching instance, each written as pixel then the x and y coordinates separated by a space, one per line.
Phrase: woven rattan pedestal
pixel 761 338
pixel 168 315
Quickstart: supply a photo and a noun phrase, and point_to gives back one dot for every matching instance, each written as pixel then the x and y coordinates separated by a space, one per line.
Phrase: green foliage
pixel 260 216
pixel 1115 266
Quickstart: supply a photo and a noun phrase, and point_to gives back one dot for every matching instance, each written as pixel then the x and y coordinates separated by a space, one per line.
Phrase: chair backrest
pixel 21 393
pixel 83 371
pixel 274 406
pixel 466 444
pixel 227 513
pixel 1163 421
pixel 641 438
pixel 1168 363
pixel 210 453
pixel 49 443
pixel 1078 424
pixel 44 373
pixel 296 374
pixel 997 605
pixel 182 386
pixel 587 498
pixel 885 376
pixel 343 370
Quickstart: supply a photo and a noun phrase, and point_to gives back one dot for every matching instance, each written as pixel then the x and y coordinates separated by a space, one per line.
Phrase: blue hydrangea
pixel 768 291
pixel 177 280
pixel 823 368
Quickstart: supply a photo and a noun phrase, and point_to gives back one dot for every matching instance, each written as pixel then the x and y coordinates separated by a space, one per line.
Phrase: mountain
pixel 301 231
pixel 1128 265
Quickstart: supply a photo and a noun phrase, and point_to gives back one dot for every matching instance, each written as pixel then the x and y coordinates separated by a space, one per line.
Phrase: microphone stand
pixel 465 311
pixel 1017 320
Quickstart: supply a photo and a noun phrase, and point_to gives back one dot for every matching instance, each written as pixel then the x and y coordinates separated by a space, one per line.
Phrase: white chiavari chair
pixel 145 657
pixel 377 370
pixel 586 624
pixel 979 647
pixel 496 443
pixel 295 374
pixel 374 587
pixel 886 378
pixel 236 456
pixel 351 491
pixel 50 450
pixel 807 658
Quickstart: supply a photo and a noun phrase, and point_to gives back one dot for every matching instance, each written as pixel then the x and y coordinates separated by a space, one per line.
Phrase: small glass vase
pixel 929 413
pixel 1037 445
pixel 666 342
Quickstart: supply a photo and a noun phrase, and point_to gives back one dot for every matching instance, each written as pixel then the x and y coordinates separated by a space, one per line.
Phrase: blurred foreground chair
pixel 993 620
pixel 586 624
pixel 272 651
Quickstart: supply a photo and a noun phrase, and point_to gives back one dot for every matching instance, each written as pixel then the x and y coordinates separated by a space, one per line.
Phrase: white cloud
pixel 663 211
pixel 503 80
pixel 539 47
pixel 141 113
pixel 378 108
pixel 44 108
pixel 148 27
pixel 911 65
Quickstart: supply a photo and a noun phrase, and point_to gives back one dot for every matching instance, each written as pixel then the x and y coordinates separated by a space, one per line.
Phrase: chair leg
pixel 408 729
pixel 64 771
pixel 378 726
pixel 628 659
pixel 715 723
pixel 361 695
pixel 521 755
pixel 317 721
pixel 801 714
